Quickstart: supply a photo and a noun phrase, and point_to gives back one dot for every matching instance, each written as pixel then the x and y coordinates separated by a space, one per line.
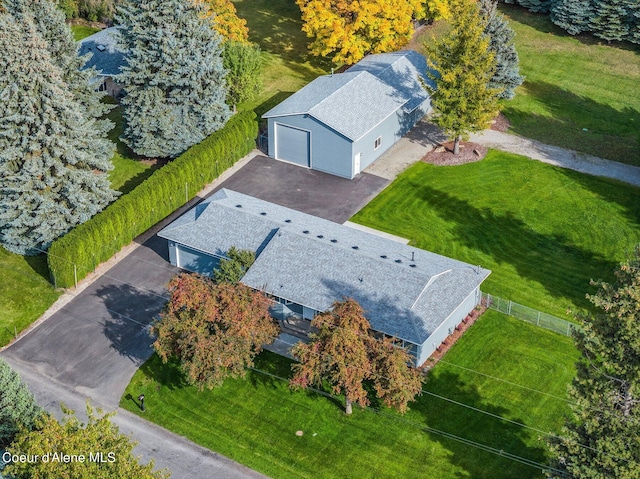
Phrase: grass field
pixel 275 25
pixel 82 31
pixel 572 84
pixel 25 292
pixel 254 421
pixel 543 231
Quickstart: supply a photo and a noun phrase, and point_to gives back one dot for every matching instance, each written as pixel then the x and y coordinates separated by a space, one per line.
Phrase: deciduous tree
pixel 461 65
pixel 53 159
pixel 343 352
pixel 107 453
pixel 232 269
pixel 347 31
pixel 174 78
pixel 18 407
pixel 602 436
pixel 215 330
pixel 501 42
pixel 225 19
pixel 243 64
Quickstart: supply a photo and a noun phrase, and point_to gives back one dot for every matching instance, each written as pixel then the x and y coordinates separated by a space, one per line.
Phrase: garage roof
pixel 354 102
pixel 406 292
pixel 106 55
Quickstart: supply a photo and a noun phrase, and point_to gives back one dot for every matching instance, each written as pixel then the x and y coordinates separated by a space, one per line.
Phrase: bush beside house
pixel 77 253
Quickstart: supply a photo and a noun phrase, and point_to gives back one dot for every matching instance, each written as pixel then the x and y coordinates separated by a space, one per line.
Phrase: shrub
pixel 76 254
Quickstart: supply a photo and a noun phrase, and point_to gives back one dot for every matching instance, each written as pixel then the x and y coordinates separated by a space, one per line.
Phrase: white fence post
pixel 538 323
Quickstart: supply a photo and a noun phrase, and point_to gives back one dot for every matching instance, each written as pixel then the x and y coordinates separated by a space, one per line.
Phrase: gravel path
pixel 562 157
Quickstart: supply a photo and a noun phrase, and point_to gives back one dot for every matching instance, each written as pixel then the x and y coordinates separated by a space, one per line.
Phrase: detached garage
pixel 342 123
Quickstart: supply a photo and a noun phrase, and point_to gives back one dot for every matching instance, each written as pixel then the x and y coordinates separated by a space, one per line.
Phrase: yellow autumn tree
pixel 225 19
pixel 347 30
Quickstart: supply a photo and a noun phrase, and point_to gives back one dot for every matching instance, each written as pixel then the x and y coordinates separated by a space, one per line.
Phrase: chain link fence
pixel 529 315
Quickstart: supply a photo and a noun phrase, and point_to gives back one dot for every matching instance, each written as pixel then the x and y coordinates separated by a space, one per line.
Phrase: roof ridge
pixel 357 74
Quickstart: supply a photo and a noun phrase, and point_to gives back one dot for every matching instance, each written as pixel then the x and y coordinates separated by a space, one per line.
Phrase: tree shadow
pixel 474 425
pixel 166 374
pixel 542 22
pixel 508 240
pixel 132 310
pixel 39 265
pixel 272 101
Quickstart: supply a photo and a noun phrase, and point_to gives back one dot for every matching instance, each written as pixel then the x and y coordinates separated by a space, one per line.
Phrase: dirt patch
pixel 500 123
pixel 155 163
pixel 443 155
pixel 452 338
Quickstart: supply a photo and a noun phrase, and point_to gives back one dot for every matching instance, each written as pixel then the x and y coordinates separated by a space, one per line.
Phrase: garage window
pixel 377 143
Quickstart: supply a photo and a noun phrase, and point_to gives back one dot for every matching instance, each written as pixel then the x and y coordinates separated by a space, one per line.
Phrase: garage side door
pixel 195 261
pixel 292 145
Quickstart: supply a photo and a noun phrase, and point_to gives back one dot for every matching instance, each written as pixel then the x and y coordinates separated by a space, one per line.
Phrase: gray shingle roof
pixel 315 262
pixel 354 102
pixel 108 60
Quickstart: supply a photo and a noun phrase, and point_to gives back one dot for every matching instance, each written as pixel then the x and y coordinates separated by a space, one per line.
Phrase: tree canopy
pixel 347 31
pixel 53 155
pixel 174 78
pixel 602 436
pixel 18 407
pixel 462 66
pixel 106 453
pixel 344 352
pixel 232 269
pixel 225 19
pixel 214 330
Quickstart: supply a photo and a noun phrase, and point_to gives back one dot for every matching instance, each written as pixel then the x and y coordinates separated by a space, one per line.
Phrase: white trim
pixel 377 144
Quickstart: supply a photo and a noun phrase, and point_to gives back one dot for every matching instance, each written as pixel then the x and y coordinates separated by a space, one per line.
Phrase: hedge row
pixel 76 254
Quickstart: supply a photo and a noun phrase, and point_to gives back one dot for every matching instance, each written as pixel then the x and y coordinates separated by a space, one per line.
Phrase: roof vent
pixel 412 265
pixel 306 232
pixel 320 236
pixel 383 256
pixel 238 206
pixel 334 240
pixel 101 47
pixel 263 214
pixel 356 247
pixel 287 221
pixel 398 261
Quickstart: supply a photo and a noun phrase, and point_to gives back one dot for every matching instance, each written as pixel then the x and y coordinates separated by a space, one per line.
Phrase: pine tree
pixel 53 160
pixel 17 405
pixel 609 19
pixel 573 16
pixel 174 80
pixel 461 66
pixel 602 438
pixel 535 6
pixel 501 43
pixel 634 23
pixel 51 26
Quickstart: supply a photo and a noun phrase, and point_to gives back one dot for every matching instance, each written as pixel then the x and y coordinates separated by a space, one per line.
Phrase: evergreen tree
pixel 174 78
pixel 461 66
pixel 501 42
pixel 17 405
pixel 51 26
pixel 634 23
pixel 232 269
pixel 573 16
pixel 535 6
pixel 52 159
pixel 609 19
pixel 602 438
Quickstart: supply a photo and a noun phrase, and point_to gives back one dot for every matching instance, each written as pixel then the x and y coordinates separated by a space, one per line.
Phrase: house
pixel 305 263
pixel 106 58
pixel 341 123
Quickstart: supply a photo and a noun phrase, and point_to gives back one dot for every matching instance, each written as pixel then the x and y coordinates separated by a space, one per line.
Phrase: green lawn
pixel 572 83
pixel 254 421
pixel 543 231
pixel 25 292
pixel 275 25
pixel 83 31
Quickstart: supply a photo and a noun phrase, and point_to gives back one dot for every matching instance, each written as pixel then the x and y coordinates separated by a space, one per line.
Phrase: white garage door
pixel 292 144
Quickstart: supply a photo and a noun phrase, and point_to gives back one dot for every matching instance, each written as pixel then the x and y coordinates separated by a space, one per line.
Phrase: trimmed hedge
pixel 77 253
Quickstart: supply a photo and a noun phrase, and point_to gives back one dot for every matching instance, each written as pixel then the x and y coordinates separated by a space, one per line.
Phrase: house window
pixel 103 86
pixel 377 143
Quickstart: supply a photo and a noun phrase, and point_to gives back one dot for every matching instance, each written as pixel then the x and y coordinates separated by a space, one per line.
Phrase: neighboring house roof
pixel 106 55
pixel 406 292
pixel 354 102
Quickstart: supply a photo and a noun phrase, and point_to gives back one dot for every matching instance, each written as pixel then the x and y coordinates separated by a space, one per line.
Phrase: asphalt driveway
pixel 313 192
